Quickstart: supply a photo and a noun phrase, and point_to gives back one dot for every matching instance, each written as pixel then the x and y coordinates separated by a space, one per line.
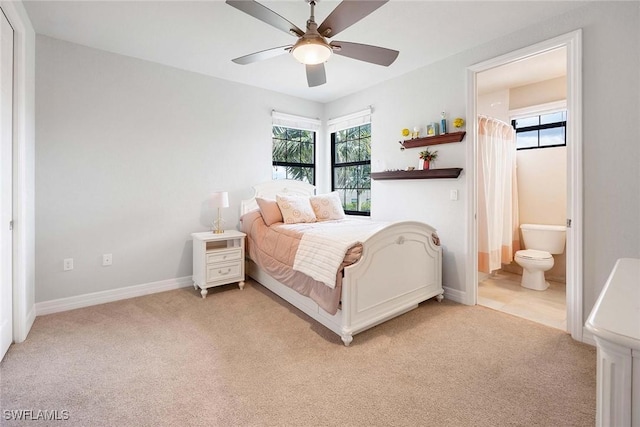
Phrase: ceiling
pixel 203 36
pixel 544 66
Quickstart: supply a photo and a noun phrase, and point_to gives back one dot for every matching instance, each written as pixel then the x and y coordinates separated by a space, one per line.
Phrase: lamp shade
pixel 220 199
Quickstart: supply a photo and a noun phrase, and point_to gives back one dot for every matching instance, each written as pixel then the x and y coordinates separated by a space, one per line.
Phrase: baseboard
pixel 455 295
pixel 31 317
pixel 22 326
pixel 95 298
pixel 587 337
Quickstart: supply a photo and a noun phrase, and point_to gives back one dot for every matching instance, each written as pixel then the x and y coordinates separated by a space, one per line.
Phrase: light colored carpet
pixel 247 358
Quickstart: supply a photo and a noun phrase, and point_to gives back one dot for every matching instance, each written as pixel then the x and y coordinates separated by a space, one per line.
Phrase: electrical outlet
pixel 107 259
pixel 68 264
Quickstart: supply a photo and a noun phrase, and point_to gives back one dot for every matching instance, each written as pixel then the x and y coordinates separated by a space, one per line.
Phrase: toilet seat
pixel 534 263
pixel 534 254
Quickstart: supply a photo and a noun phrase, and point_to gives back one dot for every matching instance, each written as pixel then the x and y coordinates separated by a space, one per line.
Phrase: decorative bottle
pixel 443 123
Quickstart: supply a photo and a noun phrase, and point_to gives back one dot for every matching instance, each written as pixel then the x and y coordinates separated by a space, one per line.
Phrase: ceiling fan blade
pixel 364 52
pixel 265 14
pixel 346 14
pixel 316 75
pixel 263 54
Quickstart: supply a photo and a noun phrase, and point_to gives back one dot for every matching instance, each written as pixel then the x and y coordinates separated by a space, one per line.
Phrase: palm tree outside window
pixel 351 166
pixel 293 153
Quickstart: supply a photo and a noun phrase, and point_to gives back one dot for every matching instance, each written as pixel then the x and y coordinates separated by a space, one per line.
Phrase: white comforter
pixel 324 245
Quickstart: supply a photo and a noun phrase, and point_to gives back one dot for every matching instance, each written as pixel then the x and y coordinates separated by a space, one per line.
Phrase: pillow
pixel 295 209
pixel 269 210
pixel 327 206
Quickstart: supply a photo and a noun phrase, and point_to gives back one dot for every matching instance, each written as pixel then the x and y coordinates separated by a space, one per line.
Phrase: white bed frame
pixel 400 267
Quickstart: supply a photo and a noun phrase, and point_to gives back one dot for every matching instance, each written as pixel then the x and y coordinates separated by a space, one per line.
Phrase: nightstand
pixel 218 259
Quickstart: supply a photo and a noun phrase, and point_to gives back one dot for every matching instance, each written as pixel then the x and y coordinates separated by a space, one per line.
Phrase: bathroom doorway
pixel 532 90
pixel 528 82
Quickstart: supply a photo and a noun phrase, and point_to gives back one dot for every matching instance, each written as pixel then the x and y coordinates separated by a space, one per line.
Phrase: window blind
pixel 349 121
pixel 295 122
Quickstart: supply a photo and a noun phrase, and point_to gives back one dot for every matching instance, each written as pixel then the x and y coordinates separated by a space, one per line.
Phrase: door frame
pixel 6 192
pixel 23 169
pixel 573 43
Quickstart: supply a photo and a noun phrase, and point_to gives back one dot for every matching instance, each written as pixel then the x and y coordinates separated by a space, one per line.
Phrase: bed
pixel 397 267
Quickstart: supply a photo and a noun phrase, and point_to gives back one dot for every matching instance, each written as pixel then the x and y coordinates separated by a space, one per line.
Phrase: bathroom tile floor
pixel 502 291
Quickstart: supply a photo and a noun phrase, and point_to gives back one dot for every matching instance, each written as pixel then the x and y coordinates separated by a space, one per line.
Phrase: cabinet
pixel 218 259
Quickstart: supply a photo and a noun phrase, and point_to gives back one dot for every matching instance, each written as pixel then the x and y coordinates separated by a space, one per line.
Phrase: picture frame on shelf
pixel 432 129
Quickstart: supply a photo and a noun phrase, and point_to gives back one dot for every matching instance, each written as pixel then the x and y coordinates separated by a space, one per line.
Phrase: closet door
pixel 6 142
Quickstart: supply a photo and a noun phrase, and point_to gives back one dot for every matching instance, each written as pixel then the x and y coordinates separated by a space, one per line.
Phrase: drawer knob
pixel 226 272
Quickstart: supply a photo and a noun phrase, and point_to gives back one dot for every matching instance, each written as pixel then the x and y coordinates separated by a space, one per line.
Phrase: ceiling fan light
pixel 311 53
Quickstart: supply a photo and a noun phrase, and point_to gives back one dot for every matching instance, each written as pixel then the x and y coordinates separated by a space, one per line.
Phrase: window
pixel 294 154
pixel 293 147
pixel 351 166
pixel 541 131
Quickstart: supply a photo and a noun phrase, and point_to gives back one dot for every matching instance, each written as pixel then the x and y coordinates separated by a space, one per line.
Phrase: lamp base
pixel 216 227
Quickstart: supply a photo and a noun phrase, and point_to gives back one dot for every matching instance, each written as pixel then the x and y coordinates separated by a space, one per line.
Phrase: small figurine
pixel 443 122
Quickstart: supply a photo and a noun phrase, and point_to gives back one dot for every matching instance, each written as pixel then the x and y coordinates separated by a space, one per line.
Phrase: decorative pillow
pixel 269 210
pixel 327 206
pixel 295 209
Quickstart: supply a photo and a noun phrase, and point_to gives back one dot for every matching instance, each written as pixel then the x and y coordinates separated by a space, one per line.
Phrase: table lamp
pixel 219 200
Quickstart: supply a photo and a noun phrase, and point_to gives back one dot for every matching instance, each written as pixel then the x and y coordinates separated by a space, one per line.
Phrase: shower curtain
pixel 498 235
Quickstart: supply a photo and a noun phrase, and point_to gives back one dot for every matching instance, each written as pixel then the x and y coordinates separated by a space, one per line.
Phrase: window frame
pixel 540 110
pixel 286 164
pixel 364 163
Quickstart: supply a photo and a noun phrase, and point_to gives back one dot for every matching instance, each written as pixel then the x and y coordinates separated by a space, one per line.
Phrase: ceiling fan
pixel 312 48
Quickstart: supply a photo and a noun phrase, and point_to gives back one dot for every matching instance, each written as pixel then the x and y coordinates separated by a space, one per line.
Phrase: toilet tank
pixel 550 238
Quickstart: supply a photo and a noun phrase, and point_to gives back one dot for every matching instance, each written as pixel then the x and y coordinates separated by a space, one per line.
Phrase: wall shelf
pixel 418 174
pixel 433 140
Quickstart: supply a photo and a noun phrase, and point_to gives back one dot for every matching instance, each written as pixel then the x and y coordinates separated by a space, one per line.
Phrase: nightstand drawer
pixel 224 271
pixel 224 255
pixel 218 259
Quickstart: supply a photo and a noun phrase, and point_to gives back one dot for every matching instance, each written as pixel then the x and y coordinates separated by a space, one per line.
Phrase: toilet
pixel 541 243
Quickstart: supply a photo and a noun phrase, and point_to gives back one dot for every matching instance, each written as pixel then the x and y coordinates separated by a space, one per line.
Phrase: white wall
pixel 542 185
pixel 611 154
pixel 494 104
pixel 127 153
pixel 538 93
